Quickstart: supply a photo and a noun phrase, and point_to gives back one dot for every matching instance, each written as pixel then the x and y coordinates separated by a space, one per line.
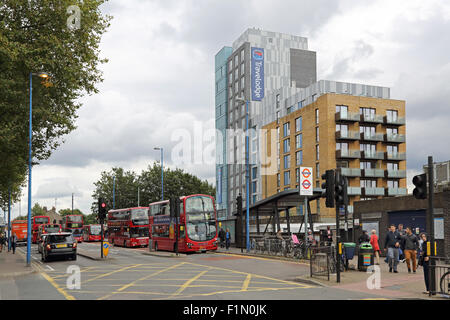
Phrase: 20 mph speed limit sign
pixel 306 181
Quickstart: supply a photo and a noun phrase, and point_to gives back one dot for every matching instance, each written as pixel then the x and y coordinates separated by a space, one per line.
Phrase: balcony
pixel 347 135
pixel 396 174
pixel 373 173
pixel 373 192
pixel 372 136
pixel 371 118
pixel 399 121
pixel 350 172
pixel 347 116
pixel 348 154
pixel 373 155
pixel 396 192
pixel 353 191
pixel 396 138
pixel 395 156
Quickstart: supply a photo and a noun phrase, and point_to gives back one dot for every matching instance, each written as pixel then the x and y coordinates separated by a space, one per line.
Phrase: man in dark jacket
pixel 222 237
pixel 364 237
pixel 409 246
pixel 391 245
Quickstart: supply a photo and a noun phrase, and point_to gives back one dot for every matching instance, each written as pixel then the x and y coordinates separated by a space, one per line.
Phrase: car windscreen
pixel 60 238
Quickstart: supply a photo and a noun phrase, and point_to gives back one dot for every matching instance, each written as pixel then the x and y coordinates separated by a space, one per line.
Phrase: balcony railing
pixel 399 174
pixel 373 155
pixel 396 192
pixel 372 136
pixel 347 116
pixel 394 121
pixel 395 156
pixel 373 191
pixel 373 173
pixel 353 154
pixel 353 191
pixel 347 135
pixel 372 118
pixel 351 172
pixel 399 138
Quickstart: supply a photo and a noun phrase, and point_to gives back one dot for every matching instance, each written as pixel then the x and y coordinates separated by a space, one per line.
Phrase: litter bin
pixel 365 256
pixel 349 252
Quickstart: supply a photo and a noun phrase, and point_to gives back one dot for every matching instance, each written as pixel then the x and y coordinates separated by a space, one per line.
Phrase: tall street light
pixel 42 75
pixel 242 101
pixel 162 171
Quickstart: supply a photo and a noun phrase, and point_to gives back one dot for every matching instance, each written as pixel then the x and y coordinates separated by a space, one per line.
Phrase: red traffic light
pixel 103 205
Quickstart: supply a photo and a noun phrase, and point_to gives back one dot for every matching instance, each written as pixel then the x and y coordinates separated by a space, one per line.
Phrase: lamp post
pixel 247 175
pixel 114 192
pixel 30 158
pixel 162 171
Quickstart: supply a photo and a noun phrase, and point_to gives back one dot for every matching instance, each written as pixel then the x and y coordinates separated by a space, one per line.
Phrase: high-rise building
pixel 275 74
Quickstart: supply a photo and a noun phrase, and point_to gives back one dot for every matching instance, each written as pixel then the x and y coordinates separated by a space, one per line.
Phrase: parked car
pixel 59 244
pixel 40 242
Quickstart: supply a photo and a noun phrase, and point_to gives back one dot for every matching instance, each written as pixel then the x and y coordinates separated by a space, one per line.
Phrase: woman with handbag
pixel 424 261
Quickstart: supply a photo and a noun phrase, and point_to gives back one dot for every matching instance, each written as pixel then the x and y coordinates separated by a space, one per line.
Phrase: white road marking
pixel 50 268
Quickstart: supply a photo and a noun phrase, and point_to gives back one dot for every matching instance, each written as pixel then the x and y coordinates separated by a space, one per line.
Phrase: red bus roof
pixel 182 198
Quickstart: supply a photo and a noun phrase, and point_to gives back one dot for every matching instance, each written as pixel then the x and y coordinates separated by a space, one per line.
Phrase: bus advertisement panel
pixel 74 224
pixel 128 227
pixel 38 221
pixel 92 232
pixel 196 225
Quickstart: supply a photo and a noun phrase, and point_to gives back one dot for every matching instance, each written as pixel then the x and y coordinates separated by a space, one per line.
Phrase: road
pixel 131 274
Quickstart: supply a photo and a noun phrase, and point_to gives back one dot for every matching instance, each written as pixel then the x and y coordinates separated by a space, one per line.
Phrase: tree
pixel 35 36
pixel 176 183
pixel 65 212
pixel 37 210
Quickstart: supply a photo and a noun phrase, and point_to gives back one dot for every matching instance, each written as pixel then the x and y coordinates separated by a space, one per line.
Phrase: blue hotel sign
pixel 257 74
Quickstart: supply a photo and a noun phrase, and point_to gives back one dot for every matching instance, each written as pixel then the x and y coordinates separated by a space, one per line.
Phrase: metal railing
pixel 442 276
pixel 277 247
pixel 319 262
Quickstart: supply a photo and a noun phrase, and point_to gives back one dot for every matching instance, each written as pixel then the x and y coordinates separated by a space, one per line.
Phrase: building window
pixel 242 55
pixel 343 110
pixel 254 173
pixel 242 69
pixel 299 141
pixel 342 146
pixel 298 124
pixel 300 105
pixel 286 129
pixel 287 161
pixel 278 180
pixel 369 148
pixel 278 101
pixel 392 115
pixel 236 61
pixel 317 152
pixel 317 116
pixel 368 183
pixel 393 184
pixel 392 166
pixel 392 150
pixel 367 165
pixel 242 83
pixel 343 128
pixel 287 145
pixel 287 178
pixel 230 64
pixel 254 187
pixel 299 158
pixel 341 164
pixel 317 170
pixel 290 109
pixel 392 131
pixel 317 134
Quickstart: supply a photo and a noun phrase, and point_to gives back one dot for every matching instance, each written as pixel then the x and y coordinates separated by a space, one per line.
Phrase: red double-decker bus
pixel 37 221
pixel 197 225
pixel 128 227
pixel 74 223
pixel 92 232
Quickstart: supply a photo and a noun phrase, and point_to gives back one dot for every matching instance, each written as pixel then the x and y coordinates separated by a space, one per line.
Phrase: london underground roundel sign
pixel 306 183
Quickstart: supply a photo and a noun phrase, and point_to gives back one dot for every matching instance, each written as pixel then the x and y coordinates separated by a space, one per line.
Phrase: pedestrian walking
pixel 2 241
pixel 424 260
pixel 391 245
pixel 222 237
pixel 364 237
pixel 227 239
pixel 410 245
pixel 14 242
pixel 402 233
pixel 375 246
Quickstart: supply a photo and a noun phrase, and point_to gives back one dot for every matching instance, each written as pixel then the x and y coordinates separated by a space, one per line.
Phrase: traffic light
pixel 328 185
pixel 420 181
pixel 101 209
pixel 239 205
pixel 340 190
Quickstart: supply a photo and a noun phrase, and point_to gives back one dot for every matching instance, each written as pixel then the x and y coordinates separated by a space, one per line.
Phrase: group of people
pixel 4 242
pixel 401 245
pixel 225 238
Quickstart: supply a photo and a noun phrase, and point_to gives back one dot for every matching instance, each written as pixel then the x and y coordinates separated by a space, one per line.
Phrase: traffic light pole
pixel 432 262
pixel 101 247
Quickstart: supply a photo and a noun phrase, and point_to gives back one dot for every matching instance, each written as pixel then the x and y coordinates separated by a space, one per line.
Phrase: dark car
pixel 61 244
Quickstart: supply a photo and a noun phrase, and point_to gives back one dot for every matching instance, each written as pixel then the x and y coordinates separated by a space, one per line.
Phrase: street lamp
pixel 241 101
pixel 42 75
pixel 162 171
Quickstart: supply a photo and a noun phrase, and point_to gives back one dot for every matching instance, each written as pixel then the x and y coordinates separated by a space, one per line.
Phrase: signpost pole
pixel 431 224
pixel 101 247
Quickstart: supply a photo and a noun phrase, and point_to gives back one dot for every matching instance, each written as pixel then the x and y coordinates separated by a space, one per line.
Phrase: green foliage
pixel 34 37
pixel 37 210
pixel 176 183
pixel 65 212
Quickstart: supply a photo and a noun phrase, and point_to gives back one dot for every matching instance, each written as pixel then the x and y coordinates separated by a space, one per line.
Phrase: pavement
pixel 401 285
pixel 13 265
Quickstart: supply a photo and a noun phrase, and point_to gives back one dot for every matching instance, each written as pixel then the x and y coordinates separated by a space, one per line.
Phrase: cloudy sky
pixel 159 82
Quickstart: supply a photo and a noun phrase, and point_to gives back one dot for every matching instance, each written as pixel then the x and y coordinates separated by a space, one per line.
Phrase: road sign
pixel 105 248
pixel 306 183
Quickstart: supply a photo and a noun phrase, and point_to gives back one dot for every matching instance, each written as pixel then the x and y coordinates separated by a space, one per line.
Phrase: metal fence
pixel 442 276
pixel 320 261
pixel 277 247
